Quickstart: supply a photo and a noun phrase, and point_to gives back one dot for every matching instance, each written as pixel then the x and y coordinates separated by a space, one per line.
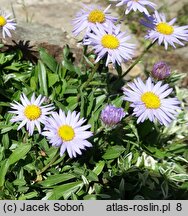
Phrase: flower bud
pixel 112 115
pixel 161 70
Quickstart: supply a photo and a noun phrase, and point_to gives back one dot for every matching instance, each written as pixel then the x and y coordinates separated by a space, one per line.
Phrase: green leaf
pixel 19 182
pixel 52 79
pixel 56 179
pixel 48 60
pixel 90 197
pixel 8 128
pixel 69 66
pixel 113 152
pixel 92 176
pixel 164 188
pixel 71 90
pixel 4 104
pixel 68 61
pixel 15 66
pixel 184 186
pixel 64 86
pixel 91 101
pixel 122 188
pixel 60 105
pixel 33 83
pixel 118 101
pixel 72 99
pixel 179 177
pixel 42 78
pixel 2 149
pixel 5 59
pixel 65 190
pixel 99 167
pixel 16 76
pixel 3 170
pixel 5 140
pixel 99 101
pixel 88 61
pixel 19 153
pixel 118 69
pixel 28 195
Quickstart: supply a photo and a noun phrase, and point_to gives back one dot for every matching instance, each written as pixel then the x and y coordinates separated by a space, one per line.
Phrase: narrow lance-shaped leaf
pixel 19 153
pixel 42 78
pixel 48 60
pixel 113 152
pixel 3 170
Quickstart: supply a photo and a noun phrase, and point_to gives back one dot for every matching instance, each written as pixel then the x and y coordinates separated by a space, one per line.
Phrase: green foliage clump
pixel 130 161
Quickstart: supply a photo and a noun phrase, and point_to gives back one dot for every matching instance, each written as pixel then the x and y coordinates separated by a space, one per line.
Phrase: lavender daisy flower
pixel 149 101
pixel 112 115
pixel 111 44
pixel 161 70
pixel 67 133
pixel 165 32
pixel 89 16
pixel 30 112
pixel 6 24
pixel 135 5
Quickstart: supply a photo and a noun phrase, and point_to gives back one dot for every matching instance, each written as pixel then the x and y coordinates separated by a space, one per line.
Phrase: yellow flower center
pixel 96 16
pixel 66 133
pixel 110 41
pixel 151 100
pixel 32 112
pixel 164 28
pixel 2 21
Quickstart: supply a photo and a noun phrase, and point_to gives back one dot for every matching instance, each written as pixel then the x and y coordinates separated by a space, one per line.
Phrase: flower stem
pixel 91 75
pixel 84 85
pixel 121 18
pixel 49 164
pixel 99 130
pixel 137 60
pixel 85 48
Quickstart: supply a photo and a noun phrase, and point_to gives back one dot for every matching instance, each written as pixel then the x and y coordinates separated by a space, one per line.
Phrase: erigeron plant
pixel 77 134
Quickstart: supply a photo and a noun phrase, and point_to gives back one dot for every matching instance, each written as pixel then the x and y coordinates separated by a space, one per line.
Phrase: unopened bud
pixel 161 70
pixel 112 115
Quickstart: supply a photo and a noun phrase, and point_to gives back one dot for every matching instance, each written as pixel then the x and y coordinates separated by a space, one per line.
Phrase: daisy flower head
pixel 165 32
pixel 110 43
pixel 87 18
pixel 30 112
pixel 135 5
pixel 149 101
pixel 67 132
pixel 6 24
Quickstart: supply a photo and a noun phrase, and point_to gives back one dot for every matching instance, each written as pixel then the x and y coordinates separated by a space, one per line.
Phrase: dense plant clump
pixel 76 131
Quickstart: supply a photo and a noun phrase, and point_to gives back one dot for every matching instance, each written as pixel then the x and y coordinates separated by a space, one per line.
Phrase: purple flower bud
pixel 161 70
pixel 112 115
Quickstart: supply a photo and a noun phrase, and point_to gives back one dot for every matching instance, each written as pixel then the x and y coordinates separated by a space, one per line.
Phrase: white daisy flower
pixel 6 24
pixel 30 112
pixel 135 5
pixel 165 32
pixel 67 133
pixel 149 101
pixel 111 44
pixel 87 18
